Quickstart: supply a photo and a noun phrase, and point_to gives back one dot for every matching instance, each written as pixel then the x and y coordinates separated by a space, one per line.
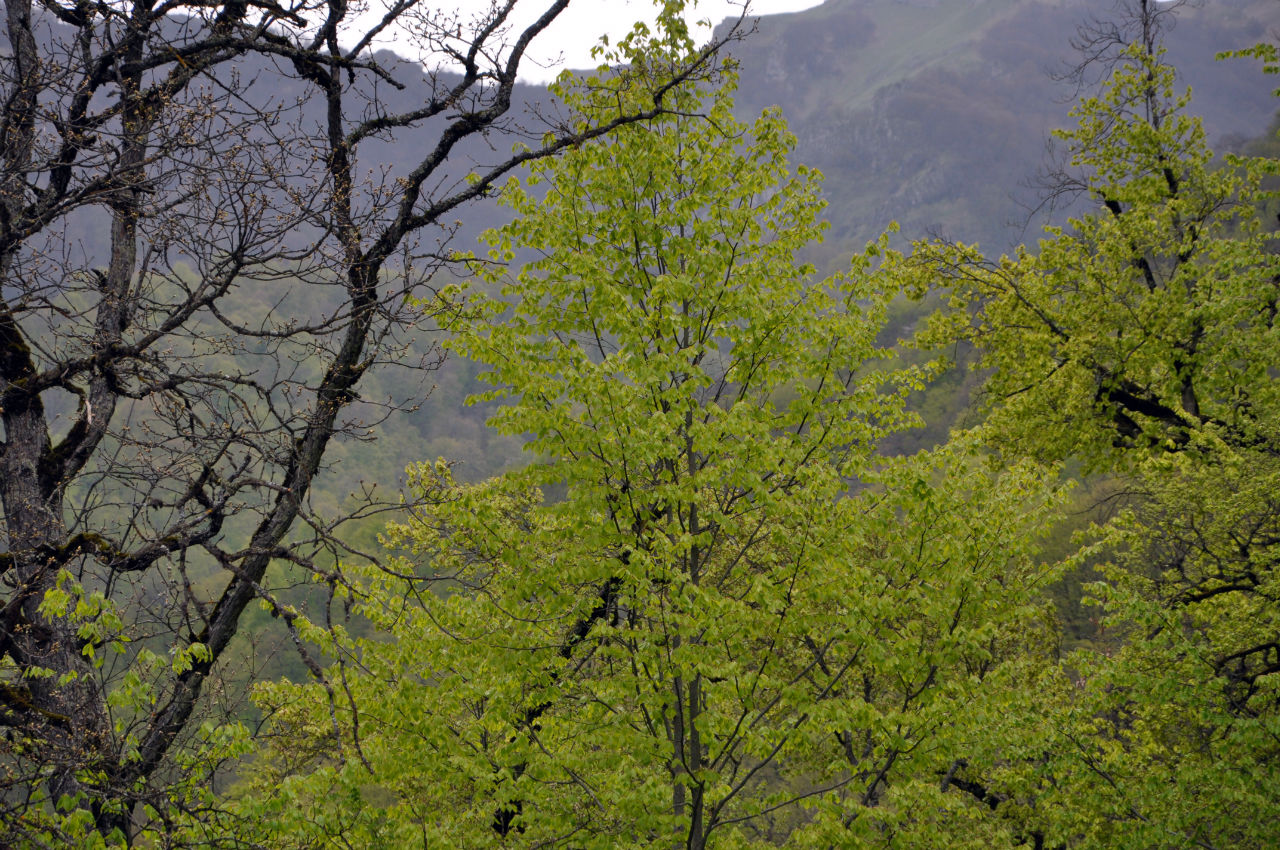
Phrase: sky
pixel 569 41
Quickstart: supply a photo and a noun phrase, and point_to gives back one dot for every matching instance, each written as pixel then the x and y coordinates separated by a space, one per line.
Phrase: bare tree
pixel 200 258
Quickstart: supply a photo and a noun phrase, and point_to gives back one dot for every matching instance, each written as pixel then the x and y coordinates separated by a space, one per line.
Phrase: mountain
pixel 936 114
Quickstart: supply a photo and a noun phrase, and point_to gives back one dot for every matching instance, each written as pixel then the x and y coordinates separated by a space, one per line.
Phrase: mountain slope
pixel 936 114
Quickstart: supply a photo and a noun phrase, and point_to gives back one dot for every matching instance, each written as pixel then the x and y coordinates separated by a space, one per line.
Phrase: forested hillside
pixel 860 430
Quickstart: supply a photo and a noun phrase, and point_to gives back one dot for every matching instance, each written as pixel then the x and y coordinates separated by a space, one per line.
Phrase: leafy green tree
pixel 708 614
pixel 1142 339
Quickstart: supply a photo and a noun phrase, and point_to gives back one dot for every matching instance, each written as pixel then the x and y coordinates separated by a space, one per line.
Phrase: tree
pixel 197 270
pixel 707 614
pixel 1140 338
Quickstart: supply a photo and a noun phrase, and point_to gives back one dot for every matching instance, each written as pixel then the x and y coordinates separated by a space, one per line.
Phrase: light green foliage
pixel 729 623
pixel 1146 326
pixel 1143 339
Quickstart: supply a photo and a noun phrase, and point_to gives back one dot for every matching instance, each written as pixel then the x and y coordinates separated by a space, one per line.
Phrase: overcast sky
pixel 574 33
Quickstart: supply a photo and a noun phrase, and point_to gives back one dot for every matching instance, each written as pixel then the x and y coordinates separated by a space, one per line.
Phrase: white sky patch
pixel 568 42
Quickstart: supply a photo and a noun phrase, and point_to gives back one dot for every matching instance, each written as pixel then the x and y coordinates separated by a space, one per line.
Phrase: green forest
pixel 709 539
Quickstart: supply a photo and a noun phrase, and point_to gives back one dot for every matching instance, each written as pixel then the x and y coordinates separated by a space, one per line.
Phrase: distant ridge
pixel 936 114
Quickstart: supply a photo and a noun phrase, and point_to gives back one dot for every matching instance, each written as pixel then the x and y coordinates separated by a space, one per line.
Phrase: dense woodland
pixel 733 544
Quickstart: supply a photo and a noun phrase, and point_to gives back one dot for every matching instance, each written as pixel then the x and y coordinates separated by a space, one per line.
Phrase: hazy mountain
pixel 936 114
